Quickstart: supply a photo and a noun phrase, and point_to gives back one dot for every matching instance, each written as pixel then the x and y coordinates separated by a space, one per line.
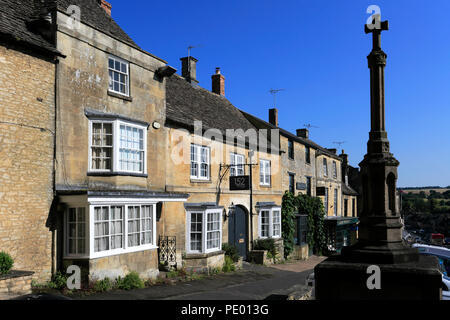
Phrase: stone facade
pixel 16 283
pixel 173 220
pixel 27 83
pixel 84 96
pixel 330 180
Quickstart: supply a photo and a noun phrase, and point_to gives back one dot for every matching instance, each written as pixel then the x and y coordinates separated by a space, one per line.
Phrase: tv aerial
pixel 339 143
pixel 309 126
pixel 189 48
pixel 274 93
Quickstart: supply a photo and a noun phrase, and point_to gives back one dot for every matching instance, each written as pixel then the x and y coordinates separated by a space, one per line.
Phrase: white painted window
pixel 237 162
pixel 264 172
pixel 117 146
pixel 108 228
pixel 140 221
pixel 270 223
pixel 325 167
pixel 204 231
pixel 102 146
pixel 76 231
pixel 200 162
pixel 334 170
pixel 119 75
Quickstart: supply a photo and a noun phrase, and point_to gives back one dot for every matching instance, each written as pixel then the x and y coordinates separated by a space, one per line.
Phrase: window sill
pixel 267 186
pixel 113 174
pixel 203 255
pixel 120 96
pixel 200 180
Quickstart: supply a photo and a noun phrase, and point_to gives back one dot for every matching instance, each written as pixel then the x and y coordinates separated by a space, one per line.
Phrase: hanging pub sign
pixel 239 183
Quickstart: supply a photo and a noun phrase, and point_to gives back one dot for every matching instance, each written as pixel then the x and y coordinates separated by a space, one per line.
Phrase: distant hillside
pixel 427 190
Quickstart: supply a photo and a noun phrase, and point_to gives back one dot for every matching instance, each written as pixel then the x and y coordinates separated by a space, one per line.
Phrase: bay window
pixel 95 231
pixel 117 146
pixel 204 231
pixel 270 222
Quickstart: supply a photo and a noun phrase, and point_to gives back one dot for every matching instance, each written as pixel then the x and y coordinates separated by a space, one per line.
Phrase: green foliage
pixel 59 281
pixel 130 281
pixel 231 251
pixel 313 207
pixel 288 210
pixel 266 244
pixel 228 265
pixel 103 285
pixel 6 262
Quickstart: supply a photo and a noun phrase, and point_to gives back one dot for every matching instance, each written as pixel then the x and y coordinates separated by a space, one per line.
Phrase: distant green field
pixel 426 190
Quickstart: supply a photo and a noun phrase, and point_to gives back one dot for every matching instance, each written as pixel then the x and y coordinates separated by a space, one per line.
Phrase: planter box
pixel 259 257
pixel 15 283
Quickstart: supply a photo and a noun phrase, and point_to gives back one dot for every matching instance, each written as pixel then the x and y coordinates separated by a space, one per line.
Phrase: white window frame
pixel 126 74
pixel 265 171
pixel 199 162
pixel 115 161
pixel 204 214
pixel 234 164
pixel 271 211
pixel 325 167
pixel 66 231
pixel 336 201
pixel 334 170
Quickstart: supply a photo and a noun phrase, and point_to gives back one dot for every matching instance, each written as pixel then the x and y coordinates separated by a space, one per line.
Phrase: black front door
pixel 237 231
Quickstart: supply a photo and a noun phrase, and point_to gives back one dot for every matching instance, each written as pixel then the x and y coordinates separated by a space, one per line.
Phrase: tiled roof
pixel 94 15
pixel 188 102
pixel 15 18
pixel 261 124
pixel 348 190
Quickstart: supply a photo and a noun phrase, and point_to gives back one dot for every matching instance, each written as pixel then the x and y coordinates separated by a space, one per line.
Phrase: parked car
pixel 443 254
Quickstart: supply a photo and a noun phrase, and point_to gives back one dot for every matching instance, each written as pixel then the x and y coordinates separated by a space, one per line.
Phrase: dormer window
pixel 119 76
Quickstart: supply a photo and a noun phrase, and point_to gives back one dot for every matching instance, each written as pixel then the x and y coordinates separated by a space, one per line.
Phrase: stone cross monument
pixel 402 272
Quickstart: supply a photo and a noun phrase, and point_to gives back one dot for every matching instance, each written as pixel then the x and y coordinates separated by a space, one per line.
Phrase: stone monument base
pixel 338 279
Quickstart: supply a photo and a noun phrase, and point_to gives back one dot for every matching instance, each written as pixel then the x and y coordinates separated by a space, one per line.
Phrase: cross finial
pixel 375 28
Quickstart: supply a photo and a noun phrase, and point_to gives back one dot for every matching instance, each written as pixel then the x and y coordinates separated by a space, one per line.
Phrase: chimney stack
pixel 218 83
pixel 303 133
pixel 189 69
pixel 106 6
pixel 273 116
pixel 332 150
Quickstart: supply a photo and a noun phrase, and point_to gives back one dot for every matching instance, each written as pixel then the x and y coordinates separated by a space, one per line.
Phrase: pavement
pixel 252 282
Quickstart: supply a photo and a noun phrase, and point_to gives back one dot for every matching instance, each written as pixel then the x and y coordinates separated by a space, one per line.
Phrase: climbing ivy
pixel 288 210
pixel 311 206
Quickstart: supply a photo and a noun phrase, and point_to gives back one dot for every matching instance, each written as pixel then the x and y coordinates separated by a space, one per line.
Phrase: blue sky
pixel 316 51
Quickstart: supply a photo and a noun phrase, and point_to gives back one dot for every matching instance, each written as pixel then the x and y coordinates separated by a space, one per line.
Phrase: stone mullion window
pixel 325 167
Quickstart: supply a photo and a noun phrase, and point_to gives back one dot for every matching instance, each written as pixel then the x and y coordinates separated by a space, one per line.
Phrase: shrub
pixel 266 244
pixel 130 281
pixel 288 210
pixel 59 281
pixel 228 265
pixel 6 262
pixel 103 285
pixel 231 251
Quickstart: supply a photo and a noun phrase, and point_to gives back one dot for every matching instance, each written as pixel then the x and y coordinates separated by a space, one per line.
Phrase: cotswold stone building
pixel 201 161
pixel 110 146
pixel 27 137
pixel 112 162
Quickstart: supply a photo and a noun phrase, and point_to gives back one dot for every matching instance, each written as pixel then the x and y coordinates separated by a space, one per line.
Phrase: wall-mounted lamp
pixel 231 209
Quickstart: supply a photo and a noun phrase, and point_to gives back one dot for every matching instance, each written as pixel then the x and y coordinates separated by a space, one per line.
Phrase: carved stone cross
pixel 375 28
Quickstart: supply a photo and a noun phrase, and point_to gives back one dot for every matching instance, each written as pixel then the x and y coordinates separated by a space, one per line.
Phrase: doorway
pixel 238 230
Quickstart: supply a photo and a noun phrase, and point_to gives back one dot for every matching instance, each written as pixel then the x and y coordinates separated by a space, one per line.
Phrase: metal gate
pixel 168 251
